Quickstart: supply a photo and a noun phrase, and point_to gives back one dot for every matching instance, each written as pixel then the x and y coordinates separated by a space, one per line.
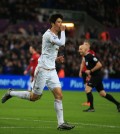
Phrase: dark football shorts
pixel 96 81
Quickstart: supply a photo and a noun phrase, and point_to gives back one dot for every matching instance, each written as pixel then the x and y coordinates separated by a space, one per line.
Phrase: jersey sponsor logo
pixel 95 59
pixel 86 63
pixel 54 37
pixel 89 84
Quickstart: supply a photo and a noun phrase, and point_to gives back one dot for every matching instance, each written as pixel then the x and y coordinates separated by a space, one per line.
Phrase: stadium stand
pixel 21 23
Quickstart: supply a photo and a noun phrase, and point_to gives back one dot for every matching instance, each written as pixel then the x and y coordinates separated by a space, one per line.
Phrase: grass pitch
pixel 19 116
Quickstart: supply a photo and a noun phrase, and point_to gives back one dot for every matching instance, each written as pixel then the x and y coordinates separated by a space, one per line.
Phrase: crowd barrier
pixel 71 84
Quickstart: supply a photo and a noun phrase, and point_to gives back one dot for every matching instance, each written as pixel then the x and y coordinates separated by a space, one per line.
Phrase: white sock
pixel 21 94
pixel 59 110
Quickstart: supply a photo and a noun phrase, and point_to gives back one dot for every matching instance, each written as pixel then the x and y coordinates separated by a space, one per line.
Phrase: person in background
pixel 94 66
pixel 32 64
pixel 83 68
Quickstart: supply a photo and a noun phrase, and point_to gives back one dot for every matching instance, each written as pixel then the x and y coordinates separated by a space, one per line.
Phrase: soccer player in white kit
pixel 45 72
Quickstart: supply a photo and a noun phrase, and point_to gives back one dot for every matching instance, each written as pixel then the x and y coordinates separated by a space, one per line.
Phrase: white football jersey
pixel 50 47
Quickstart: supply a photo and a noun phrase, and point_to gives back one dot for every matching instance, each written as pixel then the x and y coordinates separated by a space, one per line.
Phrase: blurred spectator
pixel 61 72
pixel 31 30
pixel 105 36
pixel 106 73
pixel 7 67
pixel 105 11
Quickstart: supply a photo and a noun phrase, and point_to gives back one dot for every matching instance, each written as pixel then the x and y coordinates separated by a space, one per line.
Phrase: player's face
pixel 31 49
pixel 82 50
pixel 58 24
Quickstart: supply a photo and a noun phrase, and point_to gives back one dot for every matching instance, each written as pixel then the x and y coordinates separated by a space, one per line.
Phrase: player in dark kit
pixel 94 66
pixel 83 69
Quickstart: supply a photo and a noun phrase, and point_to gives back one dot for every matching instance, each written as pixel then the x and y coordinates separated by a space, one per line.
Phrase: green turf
pixel 19 116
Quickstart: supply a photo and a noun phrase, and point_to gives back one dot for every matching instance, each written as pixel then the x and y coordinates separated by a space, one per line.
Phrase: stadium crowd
pixel 105 11
pixel 14 53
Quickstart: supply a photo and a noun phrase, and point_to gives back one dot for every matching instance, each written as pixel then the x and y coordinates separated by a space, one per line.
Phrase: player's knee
pixel 87 90
pixel 35 97
pixel 59 97
pixel 102 94
pixel 57 92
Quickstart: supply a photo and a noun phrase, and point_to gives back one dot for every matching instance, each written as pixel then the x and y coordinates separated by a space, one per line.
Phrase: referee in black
pixel 94 73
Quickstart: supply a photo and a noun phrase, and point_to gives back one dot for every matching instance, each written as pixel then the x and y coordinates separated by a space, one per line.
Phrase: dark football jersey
pixel 90 62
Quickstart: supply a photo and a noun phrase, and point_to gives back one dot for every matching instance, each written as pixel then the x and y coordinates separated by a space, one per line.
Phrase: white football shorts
pixel 44 78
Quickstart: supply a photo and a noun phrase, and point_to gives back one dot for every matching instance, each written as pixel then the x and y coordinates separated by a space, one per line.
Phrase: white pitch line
pixel 97 125
pixel 41 127
pixel 79 124
pixel 5 127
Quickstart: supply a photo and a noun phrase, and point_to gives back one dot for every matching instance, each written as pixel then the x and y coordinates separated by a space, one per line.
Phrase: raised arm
pixel 61 41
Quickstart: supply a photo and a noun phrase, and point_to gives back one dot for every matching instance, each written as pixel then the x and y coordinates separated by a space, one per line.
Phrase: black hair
pixel 54 17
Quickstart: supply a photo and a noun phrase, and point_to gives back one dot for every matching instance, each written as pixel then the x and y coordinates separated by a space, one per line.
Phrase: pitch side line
pixel 75 123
